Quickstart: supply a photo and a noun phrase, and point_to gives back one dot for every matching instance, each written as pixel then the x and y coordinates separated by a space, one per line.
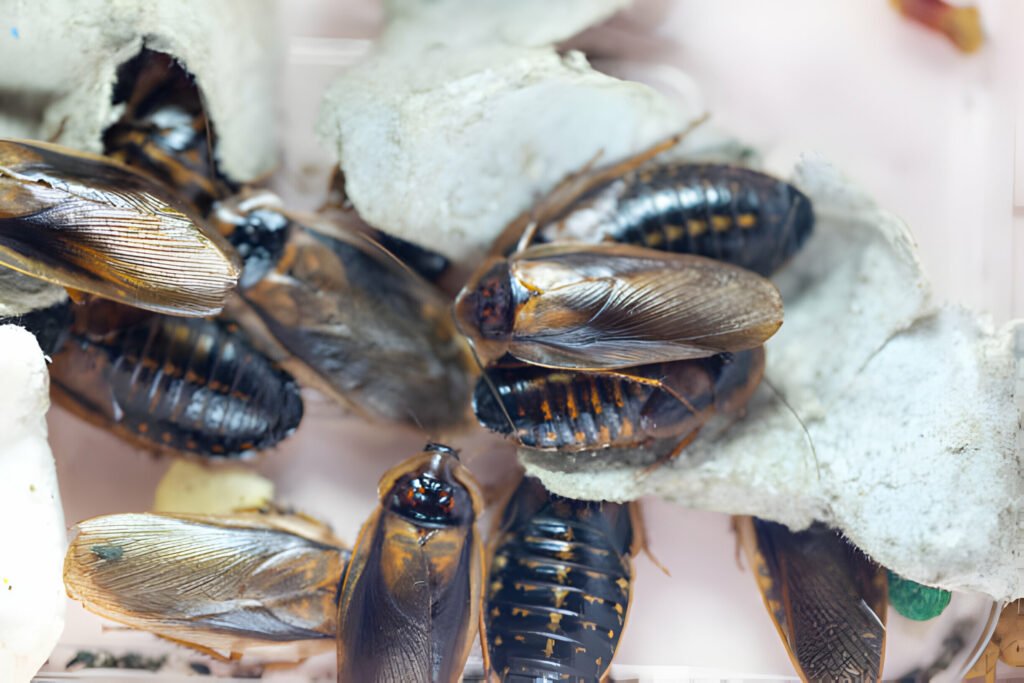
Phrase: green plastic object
pixel 915 601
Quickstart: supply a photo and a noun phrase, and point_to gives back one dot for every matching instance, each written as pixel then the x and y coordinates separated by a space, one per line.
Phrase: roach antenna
pixel 803 425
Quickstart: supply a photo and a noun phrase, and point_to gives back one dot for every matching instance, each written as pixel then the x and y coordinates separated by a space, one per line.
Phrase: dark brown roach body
pixel 559 586
pixel 827 599
pixel 571 411
pixel 365 329
pixel 164 130
pixel 728 213
pixel 178 384
pixel 411 596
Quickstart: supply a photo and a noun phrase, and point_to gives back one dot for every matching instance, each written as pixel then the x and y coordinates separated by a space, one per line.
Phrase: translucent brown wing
pixel 613 306
pixel 366 329
pixel 219 583
pixel 91 224
pixel 827 599
pixel 411 595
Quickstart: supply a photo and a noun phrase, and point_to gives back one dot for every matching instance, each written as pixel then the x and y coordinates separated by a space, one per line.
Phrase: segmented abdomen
pixel 179 383
pixel 724 212
pixel 558 593
pixel 567 411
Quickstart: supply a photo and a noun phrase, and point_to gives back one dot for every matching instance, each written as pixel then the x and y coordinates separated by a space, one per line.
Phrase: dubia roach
pixel 608 306
pixel 93 225
pixel 559 586
pixel 365 329
pixel 827 599
pixel 729 213
pixel 218 583
pixel 164 130
pixel 567 411
pixel 411 597
pixel 176 384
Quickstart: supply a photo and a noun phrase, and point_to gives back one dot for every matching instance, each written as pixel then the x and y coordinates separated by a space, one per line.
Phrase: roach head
pixel 486 303
pixel 430 495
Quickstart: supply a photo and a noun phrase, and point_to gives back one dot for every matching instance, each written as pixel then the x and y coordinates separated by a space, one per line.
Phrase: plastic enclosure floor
pixel 928 131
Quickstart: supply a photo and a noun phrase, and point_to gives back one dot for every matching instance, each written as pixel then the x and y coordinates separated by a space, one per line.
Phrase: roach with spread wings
pixel 559 586
pixel 174 384
pixel 827 599
pixel 411 597
pixel 218 583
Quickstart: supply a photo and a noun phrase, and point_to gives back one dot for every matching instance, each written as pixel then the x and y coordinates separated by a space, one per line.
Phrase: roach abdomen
pixel 183 384
pixel 724 212
pixel 557 409
pixel 559 590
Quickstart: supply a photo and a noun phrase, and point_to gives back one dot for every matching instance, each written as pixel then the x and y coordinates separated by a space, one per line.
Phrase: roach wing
pixel 90 224
pixel 366 330
pixel 827 599
pixel 400 618
pixel 217 583
pixel 612 306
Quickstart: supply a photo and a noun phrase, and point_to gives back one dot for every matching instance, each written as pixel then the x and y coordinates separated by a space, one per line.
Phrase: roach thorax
pixel 429 501
pixel 257 228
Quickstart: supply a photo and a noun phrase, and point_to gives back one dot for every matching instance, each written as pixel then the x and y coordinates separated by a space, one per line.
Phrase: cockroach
pixel 164 130
pixel 411 596
pixel 609 306
pixel 826 598
pixel 559 586
pixel 365 329
pixel 217 583
pixel 569 411
pixel 729 213
pixel 356 323
pixel 174 384
pixel 92 225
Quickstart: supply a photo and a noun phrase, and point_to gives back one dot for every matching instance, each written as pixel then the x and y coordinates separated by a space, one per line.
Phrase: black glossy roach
pixel 174 384
pixel 217 583
pixel 411 596
pixel 729 213
pixel 559 585
pixel 569 411
pixel 827 599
